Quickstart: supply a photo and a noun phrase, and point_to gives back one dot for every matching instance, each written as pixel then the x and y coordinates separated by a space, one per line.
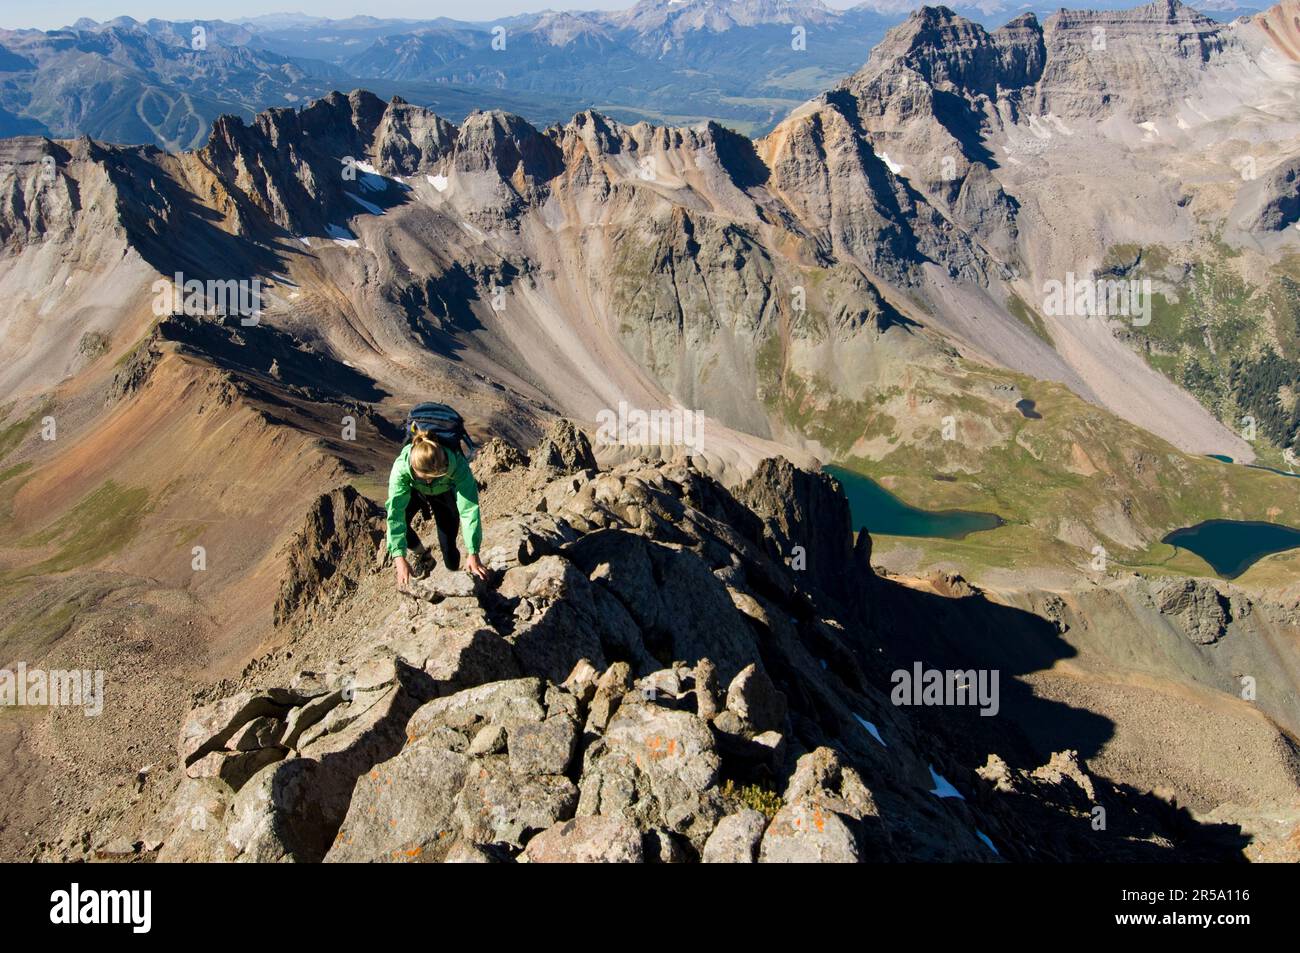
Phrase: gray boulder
pixel 278 817
pixel 404 810
pixel 610 689
pixel 564 448
pixel 754 697
pixel 443 583
pixel 463 659
pixel 191 826
pixel 829 816
pixel 498 703
pixel 496 456
pixel 587 840
pixel 523 538
pixel 736 839
pixel 555 623
pixel 211 727
pixel 234 768
pixel 490 739
pixel 1196 606
pixel 656 766
pixel 544 747
pixel 498 806
pixel 581 682
pixel 707 694
pixel 806 833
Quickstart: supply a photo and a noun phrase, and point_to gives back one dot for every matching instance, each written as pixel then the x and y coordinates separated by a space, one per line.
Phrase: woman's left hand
pixel 475 566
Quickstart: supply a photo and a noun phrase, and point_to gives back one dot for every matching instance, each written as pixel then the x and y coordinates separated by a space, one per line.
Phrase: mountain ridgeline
pixel 574 713
pixel 164 82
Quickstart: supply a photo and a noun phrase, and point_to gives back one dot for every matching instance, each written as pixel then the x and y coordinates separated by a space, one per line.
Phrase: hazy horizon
pixel 52 16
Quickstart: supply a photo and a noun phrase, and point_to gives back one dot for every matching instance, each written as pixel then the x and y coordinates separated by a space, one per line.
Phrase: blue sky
pixel 24 13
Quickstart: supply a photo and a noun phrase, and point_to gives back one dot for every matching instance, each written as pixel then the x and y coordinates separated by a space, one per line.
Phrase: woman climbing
pixel 434 480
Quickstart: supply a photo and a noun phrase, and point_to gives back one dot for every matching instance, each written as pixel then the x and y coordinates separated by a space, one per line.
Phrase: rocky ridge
pixel 646 678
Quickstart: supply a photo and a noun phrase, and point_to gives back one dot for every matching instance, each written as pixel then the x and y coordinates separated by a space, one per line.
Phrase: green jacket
pixel 402 481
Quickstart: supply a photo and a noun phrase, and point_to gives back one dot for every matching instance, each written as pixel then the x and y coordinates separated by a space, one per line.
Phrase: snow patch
pixel 370 207
pixel 942 786
pixel 894 167
pixel 872 730
pixel 985 838
pixel 342 236
pixel 439 182
pixel 370 179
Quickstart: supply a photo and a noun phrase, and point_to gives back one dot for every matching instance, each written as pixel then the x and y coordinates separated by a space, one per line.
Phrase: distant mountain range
pixel 745 63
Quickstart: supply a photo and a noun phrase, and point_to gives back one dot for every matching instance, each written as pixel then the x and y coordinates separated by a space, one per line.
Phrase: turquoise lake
pixel 1254 466
pixel 1233 546
pixel 877 510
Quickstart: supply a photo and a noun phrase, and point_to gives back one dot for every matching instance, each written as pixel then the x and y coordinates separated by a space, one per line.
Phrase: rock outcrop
pixel 332 552
pixel 807 525
pixel 1196 606
pixel 649 685
pixel 1270 203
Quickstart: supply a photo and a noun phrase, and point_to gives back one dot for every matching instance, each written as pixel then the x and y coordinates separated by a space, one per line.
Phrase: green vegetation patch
pixel 98 526
pixel 9 487
pixel 1028 317
pixel 1075 476
pixel 14 434
pixel 811 406
pixel 1233 345
pixel 37 613
pixel 757 797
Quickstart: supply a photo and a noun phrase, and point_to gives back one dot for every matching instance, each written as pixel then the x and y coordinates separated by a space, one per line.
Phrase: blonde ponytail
pixel 428 457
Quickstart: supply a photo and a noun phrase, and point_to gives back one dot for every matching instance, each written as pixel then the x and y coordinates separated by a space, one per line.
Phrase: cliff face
pixel 1077 64
pixel 652 676
pixel 1051 144
pixel 1143 60
pixel 940 90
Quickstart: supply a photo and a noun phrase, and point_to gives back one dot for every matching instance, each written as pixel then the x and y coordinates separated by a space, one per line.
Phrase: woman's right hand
pixel 403 571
